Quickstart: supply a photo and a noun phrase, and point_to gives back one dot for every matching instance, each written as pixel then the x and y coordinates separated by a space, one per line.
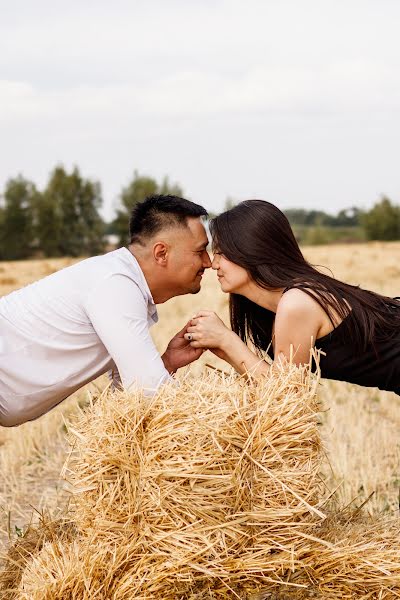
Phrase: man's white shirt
pixel 70 327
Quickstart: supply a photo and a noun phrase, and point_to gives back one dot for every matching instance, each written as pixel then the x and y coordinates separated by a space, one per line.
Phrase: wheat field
pixel 359 426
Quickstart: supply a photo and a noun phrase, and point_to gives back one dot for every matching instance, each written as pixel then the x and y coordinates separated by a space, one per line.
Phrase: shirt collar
pixel 144 286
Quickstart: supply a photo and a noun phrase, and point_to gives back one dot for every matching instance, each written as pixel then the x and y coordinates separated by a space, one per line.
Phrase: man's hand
pixel 179 352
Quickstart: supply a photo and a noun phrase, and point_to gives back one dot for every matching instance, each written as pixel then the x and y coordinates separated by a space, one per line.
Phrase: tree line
pixel 64 218
pixel 382 222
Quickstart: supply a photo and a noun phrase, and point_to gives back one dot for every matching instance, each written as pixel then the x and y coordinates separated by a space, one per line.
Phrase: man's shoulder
pixel 117 270
pixel 87 275
pixel 113 263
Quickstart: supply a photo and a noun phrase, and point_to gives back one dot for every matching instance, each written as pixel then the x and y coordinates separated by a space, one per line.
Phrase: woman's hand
pixel 206 330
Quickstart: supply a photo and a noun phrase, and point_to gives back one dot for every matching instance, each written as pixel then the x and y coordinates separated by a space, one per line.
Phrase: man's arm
pixel 118 313
pixel 179 352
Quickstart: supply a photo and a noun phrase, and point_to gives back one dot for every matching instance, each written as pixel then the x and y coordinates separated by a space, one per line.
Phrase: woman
pixel 281 304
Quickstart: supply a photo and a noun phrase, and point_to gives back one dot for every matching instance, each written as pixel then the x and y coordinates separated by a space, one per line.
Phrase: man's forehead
pixel 197 229
pixel 192 232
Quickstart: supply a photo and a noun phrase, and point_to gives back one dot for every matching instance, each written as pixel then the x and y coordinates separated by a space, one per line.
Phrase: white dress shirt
pixel 63 331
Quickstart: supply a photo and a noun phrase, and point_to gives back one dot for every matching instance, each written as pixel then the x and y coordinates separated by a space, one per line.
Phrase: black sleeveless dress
pixel 377 366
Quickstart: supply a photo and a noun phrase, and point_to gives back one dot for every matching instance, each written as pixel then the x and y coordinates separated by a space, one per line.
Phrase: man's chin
pixel 195 289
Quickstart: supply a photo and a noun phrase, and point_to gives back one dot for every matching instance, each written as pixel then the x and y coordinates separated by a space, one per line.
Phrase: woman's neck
pixel 268 299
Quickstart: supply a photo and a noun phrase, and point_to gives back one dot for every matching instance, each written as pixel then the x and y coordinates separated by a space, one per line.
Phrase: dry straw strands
pixel 209 489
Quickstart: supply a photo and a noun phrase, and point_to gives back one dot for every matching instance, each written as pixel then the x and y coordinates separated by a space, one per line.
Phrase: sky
pixel 295 102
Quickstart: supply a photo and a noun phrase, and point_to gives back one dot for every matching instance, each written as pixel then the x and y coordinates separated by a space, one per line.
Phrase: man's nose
pixel 207 261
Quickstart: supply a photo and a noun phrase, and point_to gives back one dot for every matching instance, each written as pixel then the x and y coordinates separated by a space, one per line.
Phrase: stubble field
pixel 360 427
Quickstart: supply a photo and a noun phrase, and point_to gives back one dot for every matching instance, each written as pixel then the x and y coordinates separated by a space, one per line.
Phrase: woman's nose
pixel 215 262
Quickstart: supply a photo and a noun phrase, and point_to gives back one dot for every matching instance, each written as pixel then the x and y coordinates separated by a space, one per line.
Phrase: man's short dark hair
pixel 157 212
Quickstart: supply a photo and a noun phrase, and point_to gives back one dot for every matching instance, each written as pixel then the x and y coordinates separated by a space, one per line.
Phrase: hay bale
pixel 65 570
pixel 198 481
pixel 348 556
pixel 28 546
pixel 202 479
pixel 209 490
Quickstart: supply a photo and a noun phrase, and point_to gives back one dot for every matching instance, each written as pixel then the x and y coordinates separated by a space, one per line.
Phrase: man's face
pixel 188 257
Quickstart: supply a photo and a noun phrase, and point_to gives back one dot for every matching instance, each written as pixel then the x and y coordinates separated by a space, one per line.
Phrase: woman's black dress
pixel 377 366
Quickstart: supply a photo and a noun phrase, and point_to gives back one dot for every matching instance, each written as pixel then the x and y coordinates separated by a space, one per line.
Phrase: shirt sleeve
pixel 118 313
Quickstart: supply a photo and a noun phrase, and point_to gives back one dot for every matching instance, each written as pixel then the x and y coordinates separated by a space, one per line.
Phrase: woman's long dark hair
pixel 256 235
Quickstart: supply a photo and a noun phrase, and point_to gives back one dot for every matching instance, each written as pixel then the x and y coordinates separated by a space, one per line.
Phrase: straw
pixel 210 489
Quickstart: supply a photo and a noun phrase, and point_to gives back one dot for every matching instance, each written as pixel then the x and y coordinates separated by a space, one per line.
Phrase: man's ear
pixel 160 253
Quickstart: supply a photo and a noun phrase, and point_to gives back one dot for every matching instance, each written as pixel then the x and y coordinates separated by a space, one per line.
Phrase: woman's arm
pixel 207 330
pixel 297 323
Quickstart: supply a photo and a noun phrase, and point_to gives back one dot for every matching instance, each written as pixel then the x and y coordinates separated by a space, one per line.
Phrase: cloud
pixel 231 86
pixel 340 88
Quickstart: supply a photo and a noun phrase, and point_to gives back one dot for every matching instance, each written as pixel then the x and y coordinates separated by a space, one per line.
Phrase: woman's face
pixel 232 278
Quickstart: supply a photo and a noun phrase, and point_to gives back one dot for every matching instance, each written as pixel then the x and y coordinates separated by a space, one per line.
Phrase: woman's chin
pixel 224 286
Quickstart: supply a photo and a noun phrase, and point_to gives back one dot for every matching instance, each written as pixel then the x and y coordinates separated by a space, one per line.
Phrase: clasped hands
pixel 207 331
pixel 204 331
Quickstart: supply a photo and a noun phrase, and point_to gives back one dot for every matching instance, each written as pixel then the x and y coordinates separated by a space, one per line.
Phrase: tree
pixel 1 228
pixel 229 203
pixel 17 232
pixel 48 224
pixel 382 222
pixel 318 218
pixel 136 191
pixel 349 217
pixel 296 216
pixel 68 221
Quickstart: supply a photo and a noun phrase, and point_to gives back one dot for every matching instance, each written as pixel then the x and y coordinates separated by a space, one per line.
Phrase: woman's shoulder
pixel 296 304
pixel 297 299
pixel 305 303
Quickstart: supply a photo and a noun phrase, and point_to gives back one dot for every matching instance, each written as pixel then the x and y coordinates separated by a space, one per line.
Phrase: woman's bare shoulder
pixel 297 304
pixel 301 305
pixel 298 299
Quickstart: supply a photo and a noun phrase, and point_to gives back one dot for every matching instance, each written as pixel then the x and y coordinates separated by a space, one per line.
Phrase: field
pixel 359 426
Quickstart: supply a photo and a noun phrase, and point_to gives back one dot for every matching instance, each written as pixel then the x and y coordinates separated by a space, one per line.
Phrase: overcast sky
pixel 296 102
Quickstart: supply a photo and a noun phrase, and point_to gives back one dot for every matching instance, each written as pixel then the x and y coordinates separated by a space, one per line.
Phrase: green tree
pixel 68 221
pixel 48 224
pixel 17 231
pixel 382 222
pixel 296 216
pixel 349 217
pixel 1 228
pixel 136 191
pixel 229 203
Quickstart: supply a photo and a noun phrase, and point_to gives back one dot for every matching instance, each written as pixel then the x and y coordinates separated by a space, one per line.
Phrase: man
pixel 65 330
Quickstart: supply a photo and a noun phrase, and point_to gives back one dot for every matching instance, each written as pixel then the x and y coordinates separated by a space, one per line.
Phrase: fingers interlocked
pixel 192 332
pixel 204 330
